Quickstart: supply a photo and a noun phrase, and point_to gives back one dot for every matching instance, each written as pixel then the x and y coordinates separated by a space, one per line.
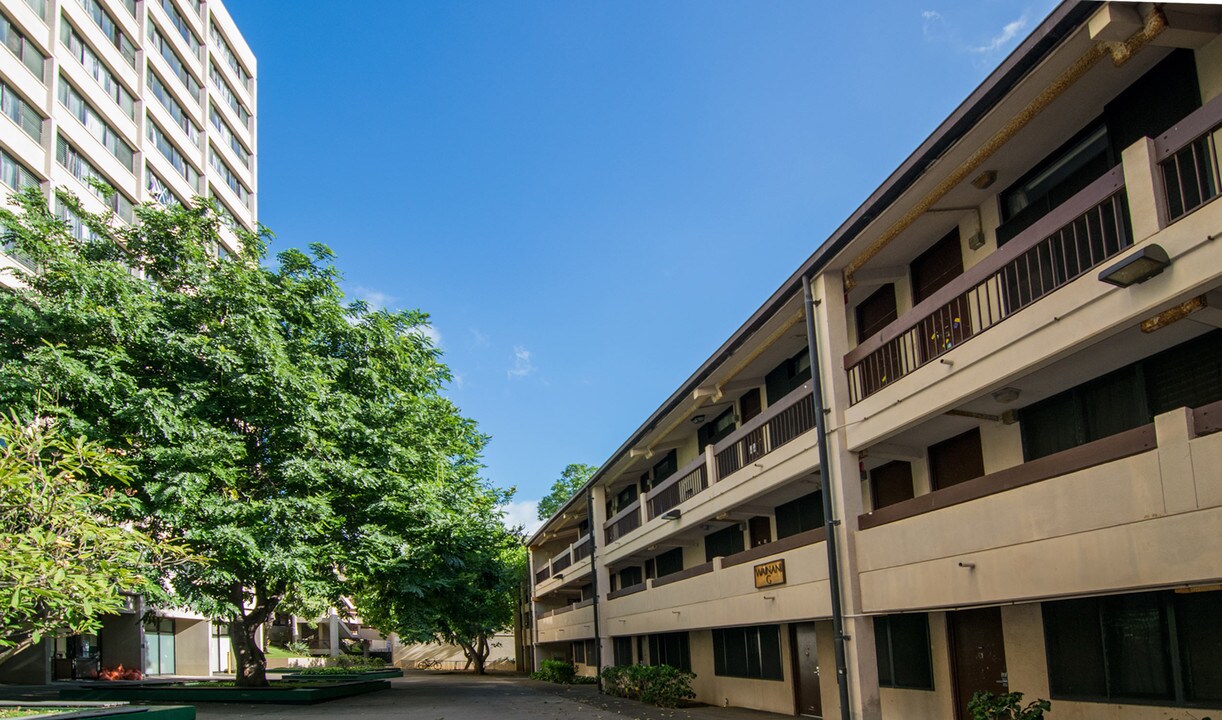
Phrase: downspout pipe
pixel 598 639
pixel 833 560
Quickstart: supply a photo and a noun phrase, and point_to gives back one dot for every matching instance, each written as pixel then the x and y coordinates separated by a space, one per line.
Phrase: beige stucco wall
pixel 191 647
pixel 769 695
pixel 573 625
pixel 936 704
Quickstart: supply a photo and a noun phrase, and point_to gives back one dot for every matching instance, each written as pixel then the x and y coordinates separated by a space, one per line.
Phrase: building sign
pixel 770 573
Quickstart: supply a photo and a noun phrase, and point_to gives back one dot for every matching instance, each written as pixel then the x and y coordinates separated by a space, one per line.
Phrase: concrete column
pixel 1143 185
pixel 843 478
pixel 1173 430
pixel 598 516
pixel 333 630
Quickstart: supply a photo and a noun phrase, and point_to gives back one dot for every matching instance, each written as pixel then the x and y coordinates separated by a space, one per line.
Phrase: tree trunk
pixel 251 662
pixel 10 652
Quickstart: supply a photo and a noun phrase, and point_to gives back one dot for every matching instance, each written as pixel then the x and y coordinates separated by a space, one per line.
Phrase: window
pixel 748 652
pixel 95 67
pixel 172 154
pixel 21 46
pixel 723 543
pixel 891 483
pixel 78 229
pixel 669 562
pixel 956 460
pixel 111 29
pixel 226 134
pixel 14 174
pixel 876 312
pixel 625 497
pixel 160 191
pixel 1160 647
pixel 630 576
pixel 181 25
pixel 159 646
pixel 176 64
pixel 159 90
pixel 93 122
pixel 902 645
pixel 21 112
pixel 670 649
pixel 227 93
pixel 800 515
pixel 1187 375
pixel 935 267
pixel 228 175
pixel 83 170
pixel 622 647
pixel 664 468
pixel 787 377
pixel 39 7
pixel 230 56
pixel 715 430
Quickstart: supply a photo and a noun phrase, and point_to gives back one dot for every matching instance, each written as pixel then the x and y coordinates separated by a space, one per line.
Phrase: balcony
pixel 566 564
pixel 723 592
pixel 786 420
pixel 1079 235
pixel 565 624
pixel 1137 509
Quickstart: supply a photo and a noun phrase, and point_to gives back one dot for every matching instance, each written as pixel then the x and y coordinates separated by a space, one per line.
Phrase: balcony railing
pixel 575 553
pixel 790 417
pixel 562 561
pixel 687 482
pixel 1187 155
pixel 1081 233
pixel 785 420
pixel 543 574
pixel 583 548
pixel 623 522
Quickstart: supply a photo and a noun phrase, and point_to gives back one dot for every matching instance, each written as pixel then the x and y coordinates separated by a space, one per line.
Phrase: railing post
pixel 710 464
pixel 1143 183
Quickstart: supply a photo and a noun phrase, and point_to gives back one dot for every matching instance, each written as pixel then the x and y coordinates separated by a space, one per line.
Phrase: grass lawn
pixel 9 712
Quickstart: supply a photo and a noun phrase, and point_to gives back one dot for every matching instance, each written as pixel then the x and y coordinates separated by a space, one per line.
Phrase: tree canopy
pixel 63 562
pixel 573 478
pixel 288 436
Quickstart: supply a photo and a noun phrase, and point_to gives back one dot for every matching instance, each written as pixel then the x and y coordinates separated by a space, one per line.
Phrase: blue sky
pixel 589 197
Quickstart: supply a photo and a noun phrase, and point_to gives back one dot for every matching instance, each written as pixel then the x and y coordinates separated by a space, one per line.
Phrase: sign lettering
pixel 769 574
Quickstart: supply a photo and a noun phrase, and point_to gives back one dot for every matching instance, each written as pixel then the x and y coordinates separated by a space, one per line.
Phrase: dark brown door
pixel 891 483
pixel 761 530
pixel 806 669
pixel 978 655
pixel 956 460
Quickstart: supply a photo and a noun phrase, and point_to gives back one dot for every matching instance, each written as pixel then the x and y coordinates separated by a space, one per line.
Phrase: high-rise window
pixel 21 46
pixel 111 29
pixel 93 122
pixel 90 177
pixel 20 112
pixel 177 66
pixel 95 67
pixel 226 134
pixel 230 97
pixel 166 98
pixel 228 175
pixel 172 154
pixel 160 190
pixel 14 175
pixel 181 25
pixel 230 56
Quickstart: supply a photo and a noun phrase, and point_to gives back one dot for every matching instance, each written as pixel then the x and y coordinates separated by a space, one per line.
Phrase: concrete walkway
pixel 423 695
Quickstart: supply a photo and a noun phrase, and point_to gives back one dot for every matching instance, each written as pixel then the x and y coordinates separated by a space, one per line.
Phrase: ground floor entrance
pixel 809 697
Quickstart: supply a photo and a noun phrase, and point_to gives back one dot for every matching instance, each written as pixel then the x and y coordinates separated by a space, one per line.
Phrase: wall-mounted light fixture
pixel 697 419
pixel 1138 267
pixel 672 514
pixel 1007 394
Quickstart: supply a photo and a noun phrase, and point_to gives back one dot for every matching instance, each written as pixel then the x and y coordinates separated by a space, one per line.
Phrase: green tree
pixel 63 561
pixel 286 435
pixel 574 478
pixel 458 585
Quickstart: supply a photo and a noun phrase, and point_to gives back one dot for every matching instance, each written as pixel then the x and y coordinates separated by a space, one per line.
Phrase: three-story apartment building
pixel 1020 352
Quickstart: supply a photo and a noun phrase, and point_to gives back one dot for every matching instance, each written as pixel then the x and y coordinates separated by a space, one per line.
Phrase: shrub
pixel 660 685
pixel 1007 706
pixel 355 662
pixel 557 671
pixel 298 648
pixel 335 670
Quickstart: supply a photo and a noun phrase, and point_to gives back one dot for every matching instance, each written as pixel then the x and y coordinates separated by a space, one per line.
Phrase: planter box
pixel 346 677
pixel 112 712
pixel 203 693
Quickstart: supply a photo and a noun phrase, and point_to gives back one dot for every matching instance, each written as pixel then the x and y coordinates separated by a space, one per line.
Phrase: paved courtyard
pixel 460 696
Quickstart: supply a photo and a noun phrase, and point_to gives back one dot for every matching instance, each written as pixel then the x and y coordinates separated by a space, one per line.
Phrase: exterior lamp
pixel 672 514
pixel 1137 268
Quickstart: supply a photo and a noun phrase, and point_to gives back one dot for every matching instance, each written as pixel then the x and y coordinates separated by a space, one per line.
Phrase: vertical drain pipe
pixel 833 563
pixel 598 640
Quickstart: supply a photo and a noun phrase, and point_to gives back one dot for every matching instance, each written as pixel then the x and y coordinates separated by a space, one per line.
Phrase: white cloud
pixel 522 363
pixel 1001 39
pixel 460 380
pixel 524 513
pixel 376 299
pixel 931 20
pixel 478 338
pixel 429 332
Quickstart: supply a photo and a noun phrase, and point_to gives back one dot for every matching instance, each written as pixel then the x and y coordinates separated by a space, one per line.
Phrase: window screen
pixel 748 652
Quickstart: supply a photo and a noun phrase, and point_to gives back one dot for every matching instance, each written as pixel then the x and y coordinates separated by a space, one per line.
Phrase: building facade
pixel 1020 352
pixel 155 98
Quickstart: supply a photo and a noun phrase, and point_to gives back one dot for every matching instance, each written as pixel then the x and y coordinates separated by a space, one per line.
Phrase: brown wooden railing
pixel 623 522
pixel 1081 233
pixel 582 548
pixel 1188 158
pixel 562 561
pixel 792 416
pixel 689 481
pixel 543 574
